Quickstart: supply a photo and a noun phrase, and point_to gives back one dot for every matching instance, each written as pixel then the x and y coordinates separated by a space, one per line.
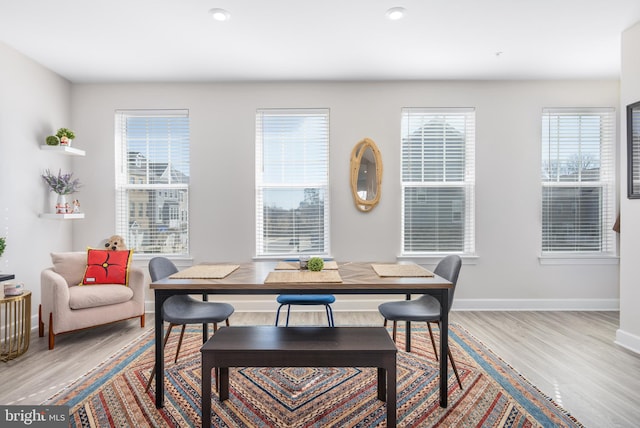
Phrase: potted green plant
pixel 62 184
pixel 315 264
pixel 53 140
pixel 65 135
pixel 3 245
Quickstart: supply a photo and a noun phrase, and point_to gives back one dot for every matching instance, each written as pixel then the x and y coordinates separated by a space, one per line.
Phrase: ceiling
pixel 294 40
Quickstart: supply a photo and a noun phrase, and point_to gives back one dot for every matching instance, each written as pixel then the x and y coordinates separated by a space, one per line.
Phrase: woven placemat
pixel 205 272
pixel 400 270
pixel 330 265
pixel 300 276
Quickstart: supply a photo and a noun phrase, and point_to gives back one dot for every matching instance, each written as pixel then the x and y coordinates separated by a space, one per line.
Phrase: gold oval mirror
pixel 366 174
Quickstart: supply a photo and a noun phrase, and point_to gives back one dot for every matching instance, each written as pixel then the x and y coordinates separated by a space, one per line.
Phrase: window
pixel 578 190
pixel 438 181
pixel 292 178
pixel 152 174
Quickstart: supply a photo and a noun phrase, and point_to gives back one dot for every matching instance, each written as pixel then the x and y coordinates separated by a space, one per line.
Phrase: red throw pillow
pixel 107 267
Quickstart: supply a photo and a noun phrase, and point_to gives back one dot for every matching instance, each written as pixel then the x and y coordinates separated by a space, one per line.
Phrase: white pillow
pixel 71 265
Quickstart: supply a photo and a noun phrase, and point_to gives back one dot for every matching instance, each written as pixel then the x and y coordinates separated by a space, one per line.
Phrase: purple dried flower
pixel 62 184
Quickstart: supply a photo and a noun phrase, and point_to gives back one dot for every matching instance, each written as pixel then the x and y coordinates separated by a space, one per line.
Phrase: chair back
pixel 449 269
pixel 161 267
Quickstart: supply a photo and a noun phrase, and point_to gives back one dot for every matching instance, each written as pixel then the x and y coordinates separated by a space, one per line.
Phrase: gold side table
pixel 15 325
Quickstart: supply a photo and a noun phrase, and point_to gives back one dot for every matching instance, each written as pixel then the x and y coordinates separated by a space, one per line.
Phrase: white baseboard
pixel 366 305
pixel 624 339
pixel 536 305
pixel 628 341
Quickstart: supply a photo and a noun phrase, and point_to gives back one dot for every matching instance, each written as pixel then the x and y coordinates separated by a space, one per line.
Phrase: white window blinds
pixel 438 181
pixel 152 180
pixel 578 183
pixel 292 178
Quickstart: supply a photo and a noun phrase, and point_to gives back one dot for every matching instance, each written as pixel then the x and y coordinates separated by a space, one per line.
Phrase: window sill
pixel 288 257
pixel 574 259
pixel 431 259
pixel 179 261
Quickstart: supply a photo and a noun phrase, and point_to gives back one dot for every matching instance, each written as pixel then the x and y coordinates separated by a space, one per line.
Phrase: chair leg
pixel 40 323
pixel 277 314
pixel 455 370
pixel 329 315
pixel 180 342
pixel 433 342
pixel 395 330
pixel 453 363
pixel 288 312
pixel 329 311
pixel 164 344
pixel 52 337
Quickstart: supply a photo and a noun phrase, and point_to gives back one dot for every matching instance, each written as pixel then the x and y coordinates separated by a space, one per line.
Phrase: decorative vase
pixel 303 262
pixel 61 204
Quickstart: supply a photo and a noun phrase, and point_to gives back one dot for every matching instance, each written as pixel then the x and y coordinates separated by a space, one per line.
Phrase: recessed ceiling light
pixel 396 13
pixel 220 14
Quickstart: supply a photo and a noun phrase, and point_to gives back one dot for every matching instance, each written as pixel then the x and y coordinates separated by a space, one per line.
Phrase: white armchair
pixel 68 307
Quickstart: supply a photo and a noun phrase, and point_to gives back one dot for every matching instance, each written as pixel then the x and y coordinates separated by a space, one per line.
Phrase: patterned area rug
pixel 494 394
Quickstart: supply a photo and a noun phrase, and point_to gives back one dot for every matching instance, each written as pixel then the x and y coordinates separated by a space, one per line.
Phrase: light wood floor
pixel 569 356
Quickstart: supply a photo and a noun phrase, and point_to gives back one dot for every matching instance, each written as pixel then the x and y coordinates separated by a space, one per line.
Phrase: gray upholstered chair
pixel 426 308
pixel 184 309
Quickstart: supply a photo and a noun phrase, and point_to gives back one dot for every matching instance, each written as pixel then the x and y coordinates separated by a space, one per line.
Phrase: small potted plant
pixel 3 245
pixel 53 140
pixel 62 184
pixel 315 264
pixel 65 135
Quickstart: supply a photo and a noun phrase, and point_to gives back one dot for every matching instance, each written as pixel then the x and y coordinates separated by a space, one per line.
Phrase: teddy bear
pixel 115 242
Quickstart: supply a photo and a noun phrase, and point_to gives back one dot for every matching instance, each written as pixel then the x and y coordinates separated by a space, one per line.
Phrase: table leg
pixel 407 334
pixel 205 332
pixel 205 386
pixel 391 395
pixel 223 372
pixel 444 345
pixel 160 298
pixel 382 384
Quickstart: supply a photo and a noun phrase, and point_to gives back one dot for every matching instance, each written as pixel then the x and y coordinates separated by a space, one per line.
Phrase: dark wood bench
pixel 266 346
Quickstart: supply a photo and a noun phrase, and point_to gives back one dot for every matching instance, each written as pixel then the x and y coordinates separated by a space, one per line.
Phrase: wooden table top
pixel 357 278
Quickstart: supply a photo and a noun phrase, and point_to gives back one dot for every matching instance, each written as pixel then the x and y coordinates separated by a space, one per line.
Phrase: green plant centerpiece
pixel 53 140
pixel 3 245
pixel 65 135
pixel 315 264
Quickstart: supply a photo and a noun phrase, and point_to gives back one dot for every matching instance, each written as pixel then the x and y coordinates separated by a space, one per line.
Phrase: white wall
pixel 629 333
pixel 34 103
pixel 507 272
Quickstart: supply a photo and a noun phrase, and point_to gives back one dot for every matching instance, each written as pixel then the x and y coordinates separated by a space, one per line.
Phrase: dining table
pixel 258 278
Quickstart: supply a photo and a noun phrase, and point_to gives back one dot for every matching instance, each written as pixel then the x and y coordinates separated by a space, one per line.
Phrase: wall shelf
pixel 62 216
pixel 64 149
